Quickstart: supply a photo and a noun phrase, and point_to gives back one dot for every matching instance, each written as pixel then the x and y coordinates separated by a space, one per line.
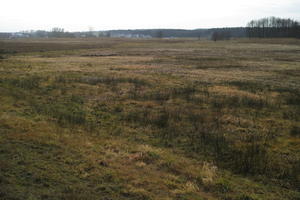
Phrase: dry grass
pixel 149 119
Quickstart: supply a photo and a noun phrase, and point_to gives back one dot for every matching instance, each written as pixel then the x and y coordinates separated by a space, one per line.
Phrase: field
pixel 149 119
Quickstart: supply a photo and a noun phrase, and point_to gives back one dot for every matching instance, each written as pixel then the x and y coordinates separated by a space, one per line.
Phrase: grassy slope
pixel 121 119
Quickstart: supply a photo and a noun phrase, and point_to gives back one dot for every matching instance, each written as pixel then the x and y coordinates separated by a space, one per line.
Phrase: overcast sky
pixel 79 15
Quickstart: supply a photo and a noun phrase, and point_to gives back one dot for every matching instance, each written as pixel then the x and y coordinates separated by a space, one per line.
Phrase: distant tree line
pixel 262 28
pixel 221 35
pixel 147 33
pixel 181 33
pixel 4 35
pixel 273 27
pixel 59 32
pixel 55 32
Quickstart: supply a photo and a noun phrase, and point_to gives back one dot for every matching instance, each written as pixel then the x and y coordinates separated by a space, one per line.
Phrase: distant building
pixel 19 35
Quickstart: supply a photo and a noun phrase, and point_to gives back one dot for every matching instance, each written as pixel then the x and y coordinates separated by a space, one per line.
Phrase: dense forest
pixel 273 27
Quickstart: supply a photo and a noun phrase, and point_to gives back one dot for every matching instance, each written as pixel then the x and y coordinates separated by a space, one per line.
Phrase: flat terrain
pixel 149 119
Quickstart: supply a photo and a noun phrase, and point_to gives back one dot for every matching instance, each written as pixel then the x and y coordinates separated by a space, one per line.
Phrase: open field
pixel 149 119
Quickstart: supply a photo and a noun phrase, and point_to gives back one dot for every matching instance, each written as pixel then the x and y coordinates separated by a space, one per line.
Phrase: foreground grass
pixel 149 119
